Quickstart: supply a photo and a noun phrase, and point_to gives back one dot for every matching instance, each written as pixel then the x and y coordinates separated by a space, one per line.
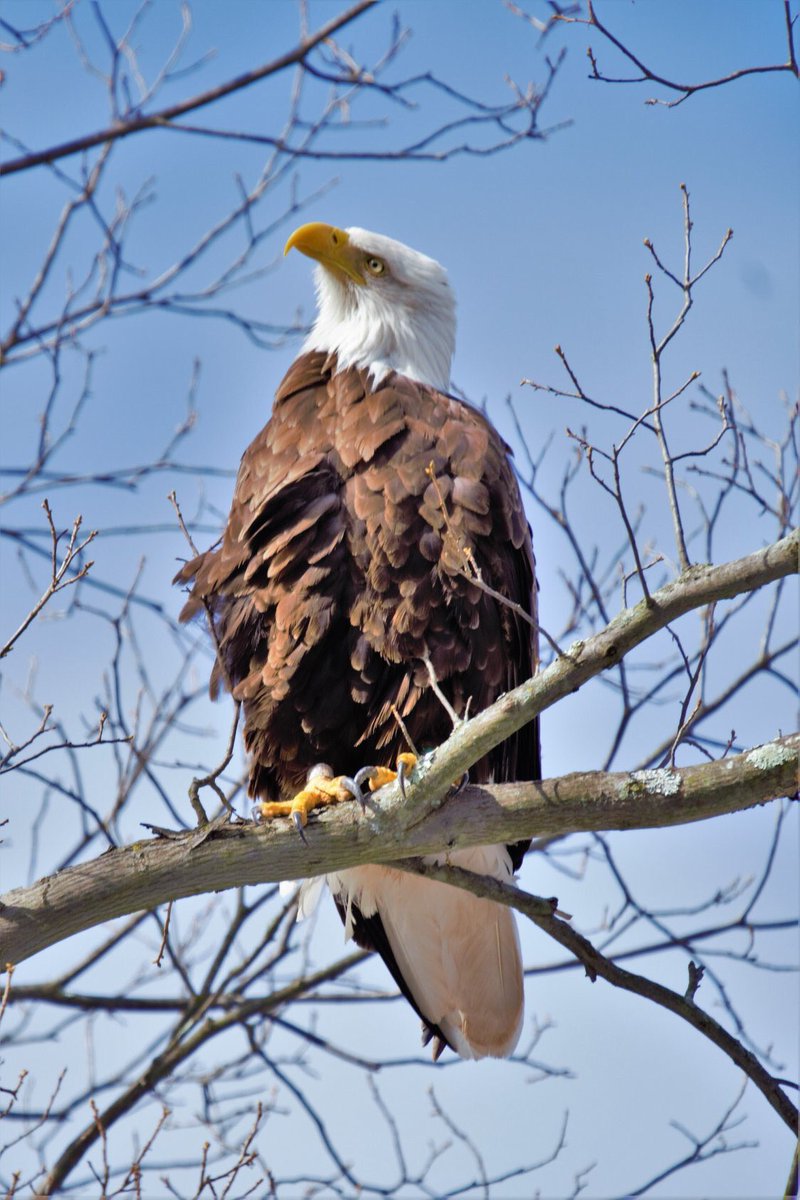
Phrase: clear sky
pixel 544 245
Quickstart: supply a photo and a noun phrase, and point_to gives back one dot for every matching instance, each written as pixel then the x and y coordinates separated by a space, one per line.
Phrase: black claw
pixel 297 821
pixel 462 783
pixel 402 771
pixel 363 776
pixel 353 786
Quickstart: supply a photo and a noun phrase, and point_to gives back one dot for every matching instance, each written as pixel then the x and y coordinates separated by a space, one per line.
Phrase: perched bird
pixel 367 515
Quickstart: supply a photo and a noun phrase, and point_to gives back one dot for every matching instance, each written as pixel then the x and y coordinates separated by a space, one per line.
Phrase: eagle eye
pixel 375 266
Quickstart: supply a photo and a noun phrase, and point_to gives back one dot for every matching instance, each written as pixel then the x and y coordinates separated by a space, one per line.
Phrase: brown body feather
pixel 342 569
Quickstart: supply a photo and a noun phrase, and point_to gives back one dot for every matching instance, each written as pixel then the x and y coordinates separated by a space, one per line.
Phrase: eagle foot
pixel 322 787
pixel 378 777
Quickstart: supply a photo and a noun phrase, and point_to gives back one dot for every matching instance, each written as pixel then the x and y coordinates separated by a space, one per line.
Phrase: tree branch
pixel 686 89
pixel 165 115
pixel 597 965
pixel 695 588
pixel 147 874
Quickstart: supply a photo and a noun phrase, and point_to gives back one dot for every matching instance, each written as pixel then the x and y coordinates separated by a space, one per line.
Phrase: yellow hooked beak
pixel 329 246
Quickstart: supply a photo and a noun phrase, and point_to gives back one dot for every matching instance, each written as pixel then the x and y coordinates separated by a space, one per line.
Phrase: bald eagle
pixel 347 583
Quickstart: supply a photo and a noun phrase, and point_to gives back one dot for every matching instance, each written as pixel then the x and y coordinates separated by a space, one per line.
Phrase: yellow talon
pixel 319 791
pixel 322 788
pixel 382 775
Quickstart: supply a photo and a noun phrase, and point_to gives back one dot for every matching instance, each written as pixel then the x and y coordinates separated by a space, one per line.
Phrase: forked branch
pixel 63 574
pixel 598 966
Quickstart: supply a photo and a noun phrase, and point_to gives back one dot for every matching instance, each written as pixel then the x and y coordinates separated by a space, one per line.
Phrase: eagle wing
pixel 358 517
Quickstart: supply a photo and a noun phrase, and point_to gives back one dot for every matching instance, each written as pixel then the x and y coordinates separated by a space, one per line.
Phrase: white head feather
pixel 399 316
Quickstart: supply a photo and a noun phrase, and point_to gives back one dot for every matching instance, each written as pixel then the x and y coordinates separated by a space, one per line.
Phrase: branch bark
pixel 150 873
pixel 696 587
pixel 147 874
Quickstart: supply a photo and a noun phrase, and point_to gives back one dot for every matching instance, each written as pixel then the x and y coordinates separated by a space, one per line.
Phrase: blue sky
pixel 544 245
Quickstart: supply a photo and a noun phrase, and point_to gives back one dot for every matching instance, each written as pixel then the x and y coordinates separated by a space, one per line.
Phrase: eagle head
pixel 382 306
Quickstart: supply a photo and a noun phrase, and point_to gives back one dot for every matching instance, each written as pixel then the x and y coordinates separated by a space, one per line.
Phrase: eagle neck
pixel 379 336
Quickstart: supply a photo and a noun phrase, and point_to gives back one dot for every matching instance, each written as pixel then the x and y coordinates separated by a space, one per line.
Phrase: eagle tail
pixel 455 956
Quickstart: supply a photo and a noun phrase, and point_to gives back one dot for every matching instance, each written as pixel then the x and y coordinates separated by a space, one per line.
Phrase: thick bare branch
pixel 147 874
pixel 697 587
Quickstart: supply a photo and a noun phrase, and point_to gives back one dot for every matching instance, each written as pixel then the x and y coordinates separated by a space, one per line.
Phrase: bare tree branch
pixel 686 89
pixel 151 873
pixel 166 115
pixel 597 965
pixel 229 1032
pixel 60 576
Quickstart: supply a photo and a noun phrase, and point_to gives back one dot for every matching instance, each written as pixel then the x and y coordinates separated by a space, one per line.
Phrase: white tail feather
pixel 458 954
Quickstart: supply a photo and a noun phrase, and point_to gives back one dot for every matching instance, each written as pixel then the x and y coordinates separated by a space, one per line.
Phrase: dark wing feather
pixel 342 567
